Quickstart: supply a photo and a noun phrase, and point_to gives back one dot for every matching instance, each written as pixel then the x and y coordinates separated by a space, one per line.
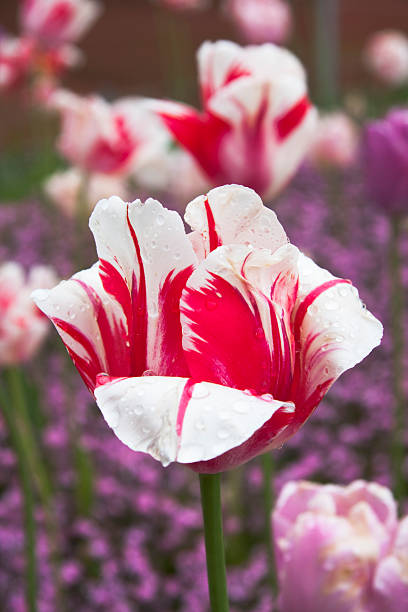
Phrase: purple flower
pixel 385 156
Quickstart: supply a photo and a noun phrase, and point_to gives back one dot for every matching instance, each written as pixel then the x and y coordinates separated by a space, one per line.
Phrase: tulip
pixel 339 548
pixel 64 188
pixel 386 56
pixel 15 61
pixel 208 348
pixel 262 21
pixel 385 156
pixel 257 121
pixel 22 326
pixel 336 141
pixel 95 135
pixel 53 23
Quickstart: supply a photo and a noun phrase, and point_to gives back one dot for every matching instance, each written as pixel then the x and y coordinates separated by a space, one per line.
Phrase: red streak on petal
pixel 289 121
pixel 228 341
pixel 138 331
pixel 114 284
pixel 213 236
pixel 183 404
pixel 201 135
pixel 169 357
pixel 90 367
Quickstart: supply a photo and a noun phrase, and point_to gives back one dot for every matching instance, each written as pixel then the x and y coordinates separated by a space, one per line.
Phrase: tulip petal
pixel 108 316
pixel 178 419
pixel 333 332
pixel 233 214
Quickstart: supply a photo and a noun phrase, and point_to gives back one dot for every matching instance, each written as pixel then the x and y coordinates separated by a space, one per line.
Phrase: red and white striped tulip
pixel 95 135
pixel 57 22
pixel 22 326
pixel 212 347
pixel 15 61
pixel 257 121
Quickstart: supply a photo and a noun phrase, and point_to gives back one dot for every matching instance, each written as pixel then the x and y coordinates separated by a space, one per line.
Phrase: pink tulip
pixel 262 20
pixel 22 326
pixel 386 56
pixel 340 548
pixel 212 347
pixel 336 141
pixel 95 135
pixel 56 22
pixel 257 121
pixel 64 189
pixel 15 61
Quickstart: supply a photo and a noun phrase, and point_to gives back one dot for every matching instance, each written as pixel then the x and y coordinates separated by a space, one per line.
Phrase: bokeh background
pixel 128 534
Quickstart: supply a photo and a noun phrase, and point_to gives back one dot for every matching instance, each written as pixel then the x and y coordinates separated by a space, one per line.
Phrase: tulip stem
pixel 17 442
pixel 268 498
pixel 214 541
pixel 397 332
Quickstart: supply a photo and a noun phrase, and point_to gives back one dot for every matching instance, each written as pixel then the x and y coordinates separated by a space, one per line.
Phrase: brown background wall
pixel 130 48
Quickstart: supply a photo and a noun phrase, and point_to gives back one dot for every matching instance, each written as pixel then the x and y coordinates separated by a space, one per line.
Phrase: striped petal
pixel 233 214
pixel 333 332
pixel 121 316
pixel 177 419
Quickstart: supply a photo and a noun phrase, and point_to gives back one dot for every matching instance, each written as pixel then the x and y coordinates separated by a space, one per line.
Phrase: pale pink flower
pixel 22 326
pixel 56 22
pixel 386 56
pixel 64 189
pixel 257 121
pixel 262 21
pixel 336 141
pixel 15 60
pixel 212 347
pixel 95 135
pixel 340 548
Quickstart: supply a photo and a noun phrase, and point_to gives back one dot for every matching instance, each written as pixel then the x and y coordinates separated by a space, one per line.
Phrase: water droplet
pixel 57 307
pixel 241 407
pixel 177 255
pixel 166 247
pixel 267 397
pixel 259 333
pixel 343 291
pixel 224 415
pixel 331 305
pixel 127 343
pixel 222 434
pixel 339 338
pixel 200 391
pixel 104 204
pixel 72 315
pixel 149 373
pixel 145 430
pixel 160 219
pixel 138 409
pixel 200 425
pixel 153 244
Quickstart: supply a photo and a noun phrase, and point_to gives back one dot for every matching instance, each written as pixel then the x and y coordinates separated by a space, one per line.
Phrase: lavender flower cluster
pixel 130 532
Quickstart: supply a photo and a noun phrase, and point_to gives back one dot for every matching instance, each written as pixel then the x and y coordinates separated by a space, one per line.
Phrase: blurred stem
pixel 35 465
pixel 214 541
pixel 327 51
pixel 397 333
pixel 17 442
pixel 268 470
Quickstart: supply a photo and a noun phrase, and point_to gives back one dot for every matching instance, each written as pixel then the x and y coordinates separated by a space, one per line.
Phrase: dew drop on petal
pixel 200 425
pixel 241 407
pixel 200 391
pixel 222 434
pixel 160 219
pixel 331 305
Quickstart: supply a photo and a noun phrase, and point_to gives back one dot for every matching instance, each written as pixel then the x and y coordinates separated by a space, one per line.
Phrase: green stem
pixel 397 333
pixel 36 467
pixel 327 50
pixel 17 442
pixel 214 541
pixel 268 499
